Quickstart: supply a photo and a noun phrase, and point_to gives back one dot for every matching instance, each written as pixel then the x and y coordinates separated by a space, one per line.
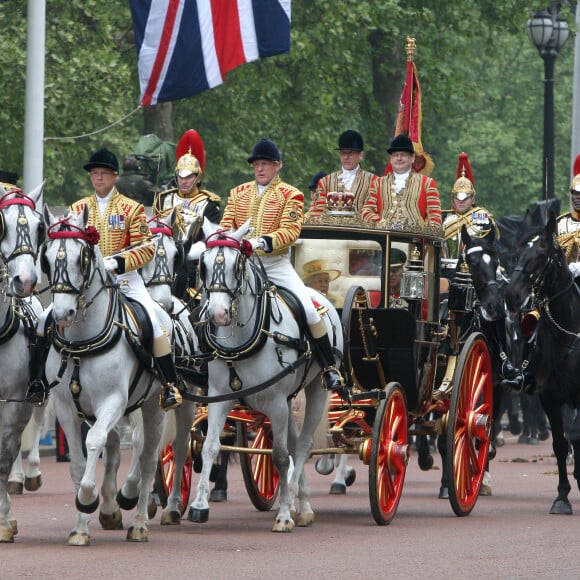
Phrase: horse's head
pixel 159 274
pixel 70 258
pixel 483 261
pixel 540 262
pixel 223 271
pixel 21 234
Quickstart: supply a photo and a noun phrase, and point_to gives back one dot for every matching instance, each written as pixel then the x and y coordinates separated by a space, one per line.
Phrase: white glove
pixel 196 251
pixel 111 265
pixel 257 244
pixel 574 268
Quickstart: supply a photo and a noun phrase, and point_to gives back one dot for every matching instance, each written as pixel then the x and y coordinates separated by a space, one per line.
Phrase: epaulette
pixel 563 215
pixel 212 196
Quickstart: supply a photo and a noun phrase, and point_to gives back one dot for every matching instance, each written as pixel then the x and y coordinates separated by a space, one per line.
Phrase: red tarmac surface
pixel 508 535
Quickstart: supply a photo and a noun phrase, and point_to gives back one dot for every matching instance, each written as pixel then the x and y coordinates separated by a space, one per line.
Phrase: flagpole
pixel 410 48
pixel 34 101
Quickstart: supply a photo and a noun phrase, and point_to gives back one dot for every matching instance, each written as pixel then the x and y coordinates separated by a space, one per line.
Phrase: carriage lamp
pixel 548 32
pixel 414 278
pixel 461 290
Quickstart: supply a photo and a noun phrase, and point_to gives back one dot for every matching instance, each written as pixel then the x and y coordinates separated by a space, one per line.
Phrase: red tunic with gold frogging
pixel 123 224
pixel 276 214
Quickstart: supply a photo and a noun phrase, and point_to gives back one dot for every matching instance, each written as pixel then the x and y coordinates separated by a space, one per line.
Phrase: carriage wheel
pixel 469 424
pixel 260 476
pixel 389 455
pixel 164 477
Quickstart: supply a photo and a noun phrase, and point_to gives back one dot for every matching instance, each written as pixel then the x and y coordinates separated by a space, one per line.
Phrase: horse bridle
pixel 161 273
pixel 60 281
pixel 480 249
pixel 23 242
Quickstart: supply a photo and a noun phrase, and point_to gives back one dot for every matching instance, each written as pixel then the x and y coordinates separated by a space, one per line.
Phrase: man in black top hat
pixel 350 177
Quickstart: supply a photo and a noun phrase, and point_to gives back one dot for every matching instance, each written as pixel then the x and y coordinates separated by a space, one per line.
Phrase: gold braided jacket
pixel 479 222
pixel 123 224
pixel 190 206
pixel 277 213
pixel 568 235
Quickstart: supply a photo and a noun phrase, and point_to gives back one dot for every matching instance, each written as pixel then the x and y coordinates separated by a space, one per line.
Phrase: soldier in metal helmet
pixel 568 224
pixel 350 177
pixel 464 211
pixel 193 202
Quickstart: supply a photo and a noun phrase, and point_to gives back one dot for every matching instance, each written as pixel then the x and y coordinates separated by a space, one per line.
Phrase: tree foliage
pixel 482 83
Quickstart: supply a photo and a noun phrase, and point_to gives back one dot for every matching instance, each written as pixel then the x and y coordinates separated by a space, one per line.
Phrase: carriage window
pixel 364 262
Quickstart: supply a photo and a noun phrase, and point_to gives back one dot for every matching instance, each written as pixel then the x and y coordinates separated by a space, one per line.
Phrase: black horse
pixel 484 312
pixel 542 272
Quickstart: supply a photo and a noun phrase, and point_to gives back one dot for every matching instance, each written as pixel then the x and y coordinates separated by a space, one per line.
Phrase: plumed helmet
pixel 575 185
pixel 191 142
pixel 401 143
pixel 350 140
pixel 315 179
pixel 463 186
pixel 187 165
pixel 265 149
pixel 102 158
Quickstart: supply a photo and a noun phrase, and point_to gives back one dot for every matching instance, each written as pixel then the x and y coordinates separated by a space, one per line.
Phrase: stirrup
pixel 170 397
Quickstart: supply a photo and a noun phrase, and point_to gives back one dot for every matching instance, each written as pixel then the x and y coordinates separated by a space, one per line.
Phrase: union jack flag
pixel 188 46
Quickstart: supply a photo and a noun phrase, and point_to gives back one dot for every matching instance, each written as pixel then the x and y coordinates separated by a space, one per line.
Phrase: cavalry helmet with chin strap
pixel 575 185
pixel 187 165
pixel 463 186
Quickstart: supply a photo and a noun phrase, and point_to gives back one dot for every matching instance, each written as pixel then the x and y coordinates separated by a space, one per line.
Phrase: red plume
pixel 464 168
pixel 576 166
pixel 191 141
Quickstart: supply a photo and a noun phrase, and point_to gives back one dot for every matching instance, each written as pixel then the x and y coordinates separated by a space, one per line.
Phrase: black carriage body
pixel 386 340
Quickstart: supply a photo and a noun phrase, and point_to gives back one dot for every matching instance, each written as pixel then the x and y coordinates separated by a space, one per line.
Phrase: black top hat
pixel 8 177
pixel 350 140
pixel 401 143
pixel 315 179
pixel 102 158
pixel 265 149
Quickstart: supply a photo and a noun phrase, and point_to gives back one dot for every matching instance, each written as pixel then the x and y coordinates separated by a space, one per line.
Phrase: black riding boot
pixel 510 376
pixel 170 397
pixel 331 376
pixel 38 387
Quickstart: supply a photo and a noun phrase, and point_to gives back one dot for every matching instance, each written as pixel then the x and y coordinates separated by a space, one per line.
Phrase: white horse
pixel 99 376
pixel 158 275
pixel 21 232
pixel 261 356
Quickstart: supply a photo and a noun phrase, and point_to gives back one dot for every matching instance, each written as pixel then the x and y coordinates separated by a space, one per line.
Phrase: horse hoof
pixel 218 495
pixel 443 492
pixel 6 534
pixel 138 533
pixel 33 483
pixel 90 508
pixel 561 507
pixel 485 490
pixel 15 488
pixel 337 489
pixel 425 462
pixel 112 521
pixel 197 515
pixel 283 526
pixel 76 539
pixel 304 520
pixel 350 477
pixel 170 518
pixel 323 467
pixel 126 503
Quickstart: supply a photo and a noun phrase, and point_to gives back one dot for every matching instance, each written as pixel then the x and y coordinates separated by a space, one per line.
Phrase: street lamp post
pixel 548 32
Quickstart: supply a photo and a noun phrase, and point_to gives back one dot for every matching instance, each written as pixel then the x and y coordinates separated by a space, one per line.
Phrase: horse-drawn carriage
pixel 412 370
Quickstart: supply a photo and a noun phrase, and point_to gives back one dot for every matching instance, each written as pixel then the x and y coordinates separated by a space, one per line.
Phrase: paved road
pixel 508 535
